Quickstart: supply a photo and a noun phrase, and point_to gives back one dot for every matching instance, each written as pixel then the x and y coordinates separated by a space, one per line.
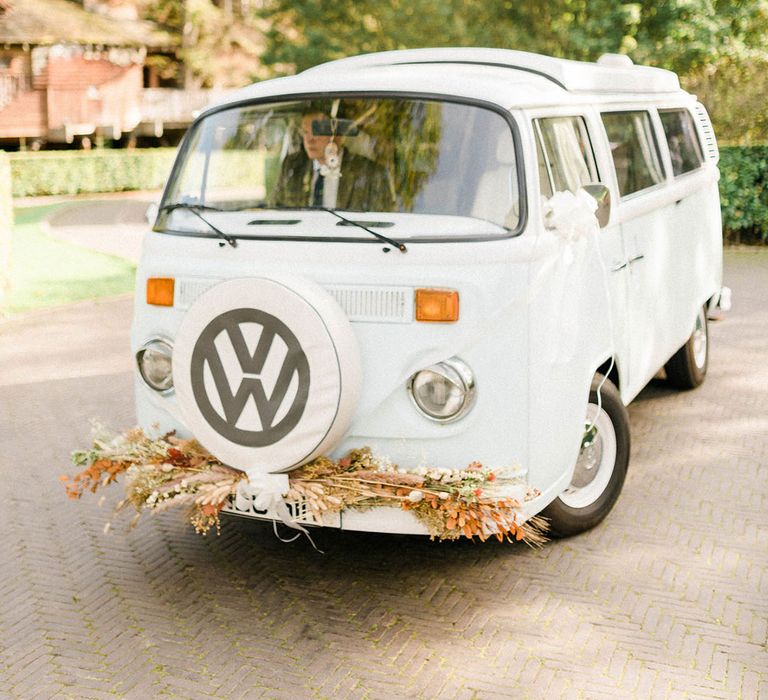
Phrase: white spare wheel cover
pixel 267 372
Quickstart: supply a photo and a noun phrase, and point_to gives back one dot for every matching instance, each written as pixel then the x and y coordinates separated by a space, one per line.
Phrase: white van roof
pixel 613 73
pixel 507 78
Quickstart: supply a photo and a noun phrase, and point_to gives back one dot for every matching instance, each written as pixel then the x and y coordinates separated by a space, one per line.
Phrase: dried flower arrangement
pixel 167 472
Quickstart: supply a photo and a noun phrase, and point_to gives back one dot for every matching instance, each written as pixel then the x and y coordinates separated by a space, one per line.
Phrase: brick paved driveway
pixel 668 598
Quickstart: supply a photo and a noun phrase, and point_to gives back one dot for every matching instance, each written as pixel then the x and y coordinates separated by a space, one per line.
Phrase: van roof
pixel 612 73
pixel 507 78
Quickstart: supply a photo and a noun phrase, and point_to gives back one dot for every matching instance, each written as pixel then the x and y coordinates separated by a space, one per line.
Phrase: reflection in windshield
pixel 353 154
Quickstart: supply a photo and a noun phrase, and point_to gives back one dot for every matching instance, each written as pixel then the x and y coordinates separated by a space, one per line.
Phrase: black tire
pixel 687 368
pixel 590 496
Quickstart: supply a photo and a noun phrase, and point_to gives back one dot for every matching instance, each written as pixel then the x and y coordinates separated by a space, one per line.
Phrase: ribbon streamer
pixel 265 492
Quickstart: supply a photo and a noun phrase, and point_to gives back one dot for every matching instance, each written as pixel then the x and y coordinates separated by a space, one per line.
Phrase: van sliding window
pixel 566 161
pixel 634 149
pixel 684 147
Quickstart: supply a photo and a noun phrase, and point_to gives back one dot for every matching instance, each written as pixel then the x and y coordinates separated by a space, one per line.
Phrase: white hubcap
pixel 595 464
pixel 700 341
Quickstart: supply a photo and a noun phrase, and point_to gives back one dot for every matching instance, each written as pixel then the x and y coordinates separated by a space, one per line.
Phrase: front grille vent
pixel 188 289
pixel 374 304
pixel 361 304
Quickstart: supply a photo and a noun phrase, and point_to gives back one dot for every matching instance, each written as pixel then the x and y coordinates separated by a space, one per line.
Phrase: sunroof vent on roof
pixel 615 60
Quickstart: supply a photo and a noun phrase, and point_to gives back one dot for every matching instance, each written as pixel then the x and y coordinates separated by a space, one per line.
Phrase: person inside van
pixel 325 173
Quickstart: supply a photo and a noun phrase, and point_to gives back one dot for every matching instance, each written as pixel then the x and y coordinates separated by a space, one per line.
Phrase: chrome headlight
pixel 154 360
pixel 443 392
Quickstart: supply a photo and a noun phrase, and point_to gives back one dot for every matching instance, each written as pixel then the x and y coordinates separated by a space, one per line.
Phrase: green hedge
pixel 75 172
pixel 744 193
pixel 743 181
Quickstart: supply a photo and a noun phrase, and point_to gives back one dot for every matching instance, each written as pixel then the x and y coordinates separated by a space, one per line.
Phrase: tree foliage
pixel 677 34
pixel 219 47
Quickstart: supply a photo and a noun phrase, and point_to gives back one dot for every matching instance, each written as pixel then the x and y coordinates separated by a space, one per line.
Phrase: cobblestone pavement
pixel 667 598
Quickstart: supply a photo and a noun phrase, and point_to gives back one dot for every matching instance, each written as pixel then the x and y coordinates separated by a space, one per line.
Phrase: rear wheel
pixel 601 466
pixel 687 368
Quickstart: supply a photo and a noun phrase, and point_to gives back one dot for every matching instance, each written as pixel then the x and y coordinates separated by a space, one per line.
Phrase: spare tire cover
pixel 267 372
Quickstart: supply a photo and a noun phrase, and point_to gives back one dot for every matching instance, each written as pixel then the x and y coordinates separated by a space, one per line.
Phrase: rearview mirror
pixel 334 127
pixel 602 196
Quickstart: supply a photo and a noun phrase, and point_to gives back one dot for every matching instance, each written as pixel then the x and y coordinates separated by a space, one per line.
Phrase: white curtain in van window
pixel 568 157
pixel 648 146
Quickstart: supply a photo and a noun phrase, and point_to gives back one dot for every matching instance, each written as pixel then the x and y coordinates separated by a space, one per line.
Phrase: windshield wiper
pixel 350 222
pixel 195 209
pixel 347 222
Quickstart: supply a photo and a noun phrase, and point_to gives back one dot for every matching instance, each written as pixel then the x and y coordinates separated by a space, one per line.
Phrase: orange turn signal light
pixel 160 291
pixel 437 305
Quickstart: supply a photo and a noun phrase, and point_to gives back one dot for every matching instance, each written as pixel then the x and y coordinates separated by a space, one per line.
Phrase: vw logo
pixel 250 377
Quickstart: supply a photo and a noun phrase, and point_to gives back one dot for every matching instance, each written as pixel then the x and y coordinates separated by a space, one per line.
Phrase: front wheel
pixel 687 368
pixel 601 466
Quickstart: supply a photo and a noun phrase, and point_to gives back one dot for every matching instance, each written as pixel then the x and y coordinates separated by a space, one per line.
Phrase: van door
pixel 645 232
pixel 566 163
pixel 693 220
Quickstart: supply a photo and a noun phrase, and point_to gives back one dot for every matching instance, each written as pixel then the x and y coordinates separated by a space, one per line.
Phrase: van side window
pixel 545 185
pixel 634 150
pixel 565 154
pixel 684 146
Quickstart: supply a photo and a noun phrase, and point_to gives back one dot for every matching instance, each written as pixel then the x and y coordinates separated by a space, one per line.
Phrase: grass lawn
pixel 47 272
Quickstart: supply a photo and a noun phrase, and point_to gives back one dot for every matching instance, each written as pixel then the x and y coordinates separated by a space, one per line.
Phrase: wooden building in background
pixel 71 73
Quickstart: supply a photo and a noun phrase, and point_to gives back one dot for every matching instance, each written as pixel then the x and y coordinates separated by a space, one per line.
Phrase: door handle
pixel 635 259
pixel 619 266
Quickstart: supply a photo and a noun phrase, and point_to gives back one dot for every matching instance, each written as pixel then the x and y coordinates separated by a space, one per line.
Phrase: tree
pixel 221 43
pixel 678 34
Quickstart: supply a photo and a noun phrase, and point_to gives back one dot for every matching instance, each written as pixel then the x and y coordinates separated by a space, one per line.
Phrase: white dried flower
pixel 415 496
pixel 166 468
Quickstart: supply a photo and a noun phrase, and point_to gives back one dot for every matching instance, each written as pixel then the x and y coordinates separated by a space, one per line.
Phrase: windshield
pixel 377 155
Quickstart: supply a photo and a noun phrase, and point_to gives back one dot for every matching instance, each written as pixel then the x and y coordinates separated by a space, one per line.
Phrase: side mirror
pixel 603 197
pixel 151 214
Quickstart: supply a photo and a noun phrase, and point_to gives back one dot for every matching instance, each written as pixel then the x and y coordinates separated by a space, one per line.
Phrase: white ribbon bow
pixel 571 216
pixel 265 492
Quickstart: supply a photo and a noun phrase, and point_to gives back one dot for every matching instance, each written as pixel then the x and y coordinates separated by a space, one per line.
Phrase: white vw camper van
pixel 449 256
